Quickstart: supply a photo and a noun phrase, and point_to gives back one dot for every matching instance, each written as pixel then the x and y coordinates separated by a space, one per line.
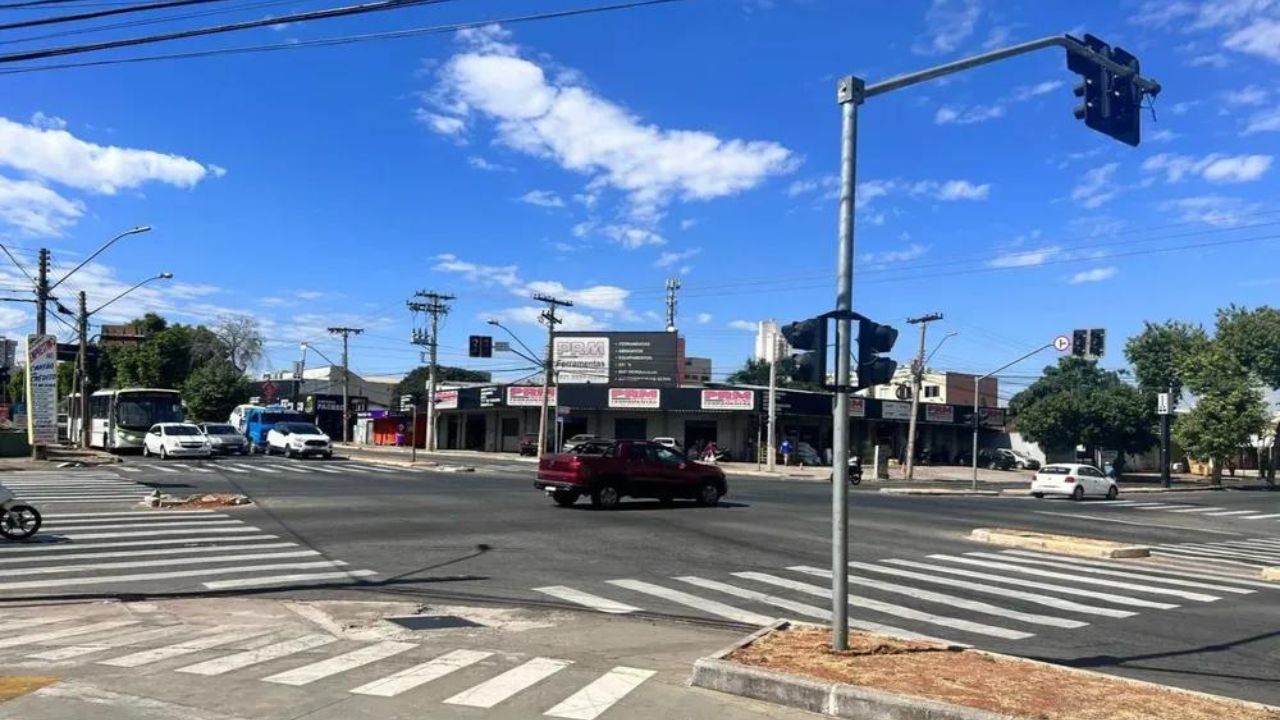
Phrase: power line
pixel 151 21
pixel 92 14
pixel 325 42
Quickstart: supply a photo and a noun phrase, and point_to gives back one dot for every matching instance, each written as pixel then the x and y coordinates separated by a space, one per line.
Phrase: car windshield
pixel 1056 470
pixel 219 430
pixel 299 428
pixel 181 430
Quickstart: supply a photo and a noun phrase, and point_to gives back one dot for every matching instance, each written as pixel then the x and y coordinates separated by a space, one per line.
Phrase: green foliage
pixel 1229 405
pixel 415 383
pixel 18 385
pixel 756 372
pixel 1157 352
pixel 1078 403
pixel 213 389
pixel 66 372
pixel 1253 338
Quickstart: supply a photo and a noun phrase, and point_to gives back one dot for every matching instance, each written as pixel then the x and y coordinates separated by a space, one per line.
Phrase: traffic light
pixel 1079 343
pixel 874 339
pixel 808 341
pixel 1110 102
pixel 1097 342
pixel 481 346
pixel 1089 343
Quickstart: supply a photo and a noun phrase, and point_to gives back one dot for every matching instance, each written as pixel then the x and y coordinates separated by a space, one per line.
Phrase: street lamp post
pixel 976 381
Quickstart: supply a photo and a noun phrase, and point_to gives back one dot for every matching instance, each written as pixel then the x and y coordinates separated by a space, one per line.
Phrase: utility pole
pixel 548 365
pixel 774 349
pixel 436 304
pixel 346 333
pixel 82 361
pixel 42 291
pixel 917 375
pixel 673 285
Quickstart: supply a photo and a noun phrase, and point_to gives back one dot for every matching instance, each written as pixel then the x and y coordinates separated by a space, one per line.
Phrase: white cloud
pixel 1094 275
pixel 745 325
pixel 997 36
pixel 480 163
pixel 1215 60
pixel 703 318
pixel 967 116
pixel 36 210
pixel 532 315
pixel 1261 38
pixel 47 122
pixel 669 258
pixel 501 275
pixel 1096 188
pixel 1163 135
pixel 1214 168
pixel 1265 121
pixel 947 24
pixel 632 236
pixel 962 190
pixel 1212 209
pixel 59 156
pixel 687 223
pixel 1026 258
pixel 596 297
pixel 885 257
pixel 571 125
pixel 309 294
pixel 1183 107
pixel 443 124
pixel 1247 95
pixel 542 198
pixel 1026 92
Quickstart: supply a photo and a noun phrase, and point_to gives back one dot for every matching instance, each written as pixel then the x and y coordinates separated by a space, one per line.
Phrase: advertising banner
pixel 894 410
pixel 528 396
pixel 448 399
pixel 42 389
pixel 634 359
pixel 728 400
pixel 642 398
pixel 857 407
pixel 939 413
pixel 580 360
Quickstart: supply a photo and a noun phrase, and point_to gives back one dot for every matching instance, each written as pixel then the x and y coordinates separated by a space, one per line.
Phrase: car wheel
pixel 164 454
pixel 1038 496
pixel 564 498
pixel 708 495
pixel 288 452
pixel 606 497
pixel 1112 492
pixel 1020 465
pixel 1077 494
pixel 145 451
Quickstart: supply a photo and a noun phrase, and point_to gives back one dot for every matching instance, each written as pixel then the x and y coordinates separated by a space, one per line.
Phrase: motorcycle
pixel 855 471
pixel 18 521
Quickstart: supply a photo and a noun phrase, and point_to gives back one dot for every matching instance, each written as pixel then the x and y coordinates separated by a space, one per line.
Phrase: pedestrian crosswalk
pixel 300 658
pixel 49 487
pixel 160 551
pixel 279 468
pixel 1188 509
pixel 968 598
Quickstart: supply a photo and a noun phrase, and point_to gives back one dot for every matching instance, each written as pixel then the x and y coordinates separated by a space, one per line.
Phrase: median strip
pixel 14 686
pixel 1065 544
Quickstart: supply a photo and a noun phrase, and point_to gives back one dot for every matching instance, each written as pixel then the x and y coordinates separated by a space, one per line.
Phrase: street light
pixel 977 380
pixel 132 231
pixel 938 347
pixel 160 276
pixel 528 357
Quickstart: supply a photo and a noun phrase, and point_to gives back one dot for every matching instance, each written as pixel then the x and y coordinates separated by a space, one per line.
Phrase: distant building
pixel 766 332
pixel 122 335
pixel 946 388
pixel 8 352
pixel 697 371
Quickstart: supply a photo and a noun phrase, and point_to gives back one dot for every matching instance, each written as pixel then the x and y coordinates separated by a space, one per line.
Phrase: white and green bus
pixel 121 418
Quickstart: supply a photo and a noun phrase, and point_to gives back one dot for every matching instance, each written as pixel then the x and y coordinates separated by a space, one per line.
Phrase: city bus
pixel 121 418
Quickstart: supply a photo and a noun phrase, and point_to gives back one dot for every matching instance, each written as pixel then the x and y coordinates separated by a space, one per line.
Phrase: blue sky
pixel 595 157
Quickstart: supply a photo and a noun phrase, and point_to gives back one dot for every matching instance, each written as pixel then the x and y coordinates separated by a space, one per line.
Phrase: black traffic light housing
pixel 1110 101
pixel 1079 343
pixel 480 346
pixel 1097 342
pixel 808 340
pixel 1090 344
pixel 873 340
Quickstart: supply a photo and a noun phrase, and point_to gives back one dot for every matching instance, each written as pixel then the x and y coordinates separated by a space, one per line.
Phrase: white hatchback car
pixel 298 439
pixel 176 440
pixel 1074 481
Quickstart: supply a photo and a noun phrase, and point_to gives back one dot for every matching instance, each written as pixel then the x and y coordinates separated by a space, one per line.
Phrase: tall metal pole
pixel 976 381
pixel 1165 478
pixel 432 381
pixel 773 400
pixel 42 300
pixel 917 375
pixel 82 360
pixel 849 93
pixel 548 364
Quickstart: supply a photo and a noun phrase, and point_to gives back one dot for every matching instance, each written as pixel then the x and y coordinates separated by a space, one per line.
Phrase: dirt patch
pixel 198 502
pixel 965 677
pixel 12 686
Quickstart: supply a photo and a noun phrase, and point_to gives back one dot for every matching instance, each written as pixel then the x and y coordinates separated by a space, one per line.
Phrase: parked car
pixel 629 468
pixel 804 454
pixel 575 441
pixel 529 444
pixel 1021 460
pixel 1073 480
pixel 298 439
pixel 993 459
pixel 670 442
pixel 175 440
pixel 224 438
pixel 591 447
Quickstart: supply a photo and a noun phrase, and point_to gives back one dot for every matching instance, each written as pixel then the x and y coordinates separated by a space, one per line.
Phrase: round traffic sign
pixel 1061 343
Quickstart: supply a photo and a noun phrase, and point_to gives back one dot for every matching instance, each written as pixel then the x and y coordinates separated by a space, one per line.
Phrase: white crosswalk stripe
pixel 593 700
pixel 595 602
pixel 421 674
pixel 711 607
pixel 1197 510
pixel 795 607
pixel 257 468
pixel 1127 574
pixel 1218 551
pixel 209 522
pixel 72 486
pixel 1013 567
pixel 1231 512
pixel 216 638
pixel 227 467
pixel 9 641
pixel 1147 569
pixel 222 665
pixel 107 642
pixel 295 579
pixel 292 469
pixel 308 674
pixel 1268 516
pixel 491 692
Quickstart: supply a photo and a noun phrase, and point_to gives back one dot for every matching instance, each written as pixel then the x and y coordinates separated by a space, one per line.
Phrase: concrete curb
pixel 938 491
pixel 1065 544
pixel 1271 574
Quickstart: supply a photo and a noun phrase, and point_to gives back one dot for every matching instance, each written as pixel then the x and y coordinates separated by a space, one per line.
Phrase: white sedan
pixel 176 440
pixel 298 439
pixel 1074 481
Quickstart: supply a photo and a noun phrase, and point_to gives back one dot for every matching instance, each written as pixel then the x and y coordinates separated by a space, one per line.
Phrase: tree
pixel 242 339
pixel 213 390
pixel 1157 352
pixel 1253 338
pixel 756 372
pixel 1229 407
pixel 66 373
pixel 415 383
pixel 18 385
pixel 1078 403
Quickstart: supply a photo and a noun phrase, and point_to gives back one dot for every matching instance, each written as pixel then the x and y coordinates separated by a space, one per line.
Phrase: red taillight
pixel 1069 480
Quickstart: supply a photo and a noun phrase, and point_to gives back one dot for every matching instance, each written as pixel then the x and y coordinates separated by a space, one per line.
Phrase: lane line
pixel 795 607
pixel 1123 574
pixel 491 692
pixel 603 693
pixel 410 678
pixel 55 548
pixel 308 674
pixel 207 522
pixel 891 609
pixel 70 652
pixel 710 607
pixel 158 533
pixel 223 665
pixel 1210 551
pixel 298 579
pixel 1014 567
pixel 217 638
pixel 172 562
pixel 99 580
pixel 8 562
pixel 47 635
pixel 256 468
pixel 1139 524
pixel 1231 512
pixel 1198 509
pixel 1264 517
pixel 586 599
pixel 1166 507
pixel 130 513
pixel 1023 582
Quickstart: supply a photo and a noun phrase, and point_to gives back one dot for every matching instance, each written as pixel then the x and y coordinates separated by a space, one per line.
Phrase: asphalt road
pixel 341 529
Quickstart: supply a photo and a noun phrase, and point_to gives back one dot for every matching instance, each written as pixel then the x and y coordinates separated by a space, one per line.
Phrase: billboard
pixel 528 396
pixel 42 389
pixel 894 410
pixel 637 359
pixel 643 398
pixel 446 399
pixel 857 407
pixel 728 399
pixel 939 413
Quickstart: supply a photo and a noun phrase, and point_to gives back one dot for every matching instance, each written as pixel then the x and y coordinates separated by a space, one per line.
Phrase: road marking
pixel 1165 507
pixel 1014 567
pixel 891 609
pixel 1126 574
pixel 1203 556
pixel 342 663
pixel 1266 541
pixel 286 468
pixel 130 513
pixel 606 690
pixel 157 533
pixel 193 468
pixel 1256 544
pixel 372 468
pixel 417 675
pixel 595 602
pixel 1139 524
pixel 219 637
pixel 46 635
pixel 491 692
pixel 71 652
pixel 299 579
pixel 1146 569
pixel 162 468
pixel 228 467
pixel 8 562
pixel 1231 512
pixel 353 468
pixel 710 607
pixel 795 607
pixel 1142 505
pixel 222 665
pixel 55 569
pixel 330 471
pixel 129 469
pixel 1118 503
pixel 28 623
pixel 1264 517
pixel 1022 582
pixel 951 600
pixel 49 547
pixel 1197 509
pixel 1047 600
pixel 1213 551
pixel 99 580
pixel 256 468
pixel 207 522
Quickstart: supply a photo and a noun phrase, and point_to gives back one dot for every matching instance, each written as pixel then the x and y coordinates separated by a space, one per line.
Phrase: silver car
pixel 224 439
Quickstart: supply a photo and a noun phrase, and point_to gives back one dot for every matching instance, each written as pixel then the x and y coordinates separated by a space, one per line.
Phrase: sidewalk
pixel 56 457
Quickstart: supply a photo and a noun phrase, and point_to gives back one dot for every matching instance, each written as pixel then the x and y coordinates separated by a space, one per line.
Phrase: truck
pixel 258 421
pixel 629 468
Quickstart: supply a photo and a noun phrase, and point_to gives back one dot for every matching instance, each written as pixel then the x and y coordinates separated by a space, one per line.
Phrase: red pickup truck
pixel 629 468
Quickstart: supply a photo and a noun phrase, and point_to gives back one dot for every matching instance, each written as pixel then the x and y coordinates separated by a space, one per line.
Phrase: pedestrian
pixel 710 452
pixel 786 451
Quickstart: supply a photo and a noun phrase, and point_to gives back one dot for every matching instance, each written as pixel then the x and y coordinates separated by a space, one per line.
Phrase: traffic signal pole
pixel 851 92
